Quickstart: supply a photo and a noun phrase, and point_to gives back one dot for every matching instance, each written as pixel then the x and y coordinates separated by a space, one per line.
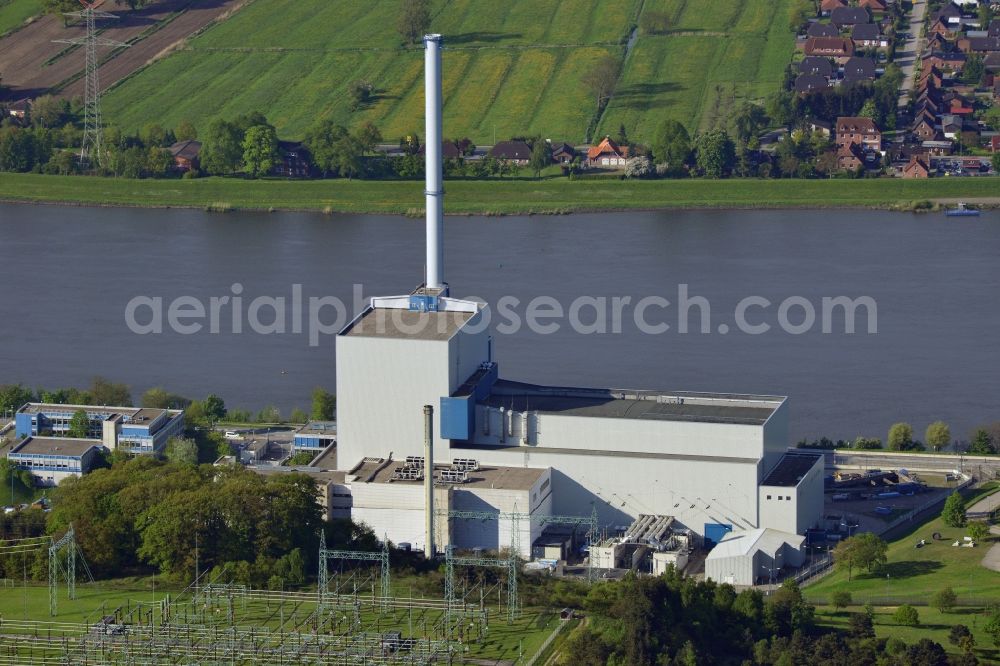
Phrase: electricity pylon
pixel 92 127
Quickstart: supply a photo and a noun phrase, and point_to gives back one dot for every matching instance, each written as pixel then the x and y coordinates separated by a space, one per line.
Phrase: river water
pixel 69 274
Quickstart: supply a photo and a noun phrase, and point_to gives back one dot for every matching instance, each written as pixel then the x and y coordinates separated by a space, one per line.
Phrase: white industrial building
pixel 701 458
pixel 753 556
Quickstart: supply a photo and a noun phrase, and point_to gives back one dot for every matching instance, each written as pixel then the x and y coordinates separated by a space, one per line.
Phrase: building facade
pixel 134 430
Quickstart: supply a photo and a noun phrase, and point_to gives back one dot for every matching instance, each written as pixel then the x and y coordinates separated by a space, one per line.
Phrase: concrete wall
pixel 383 385
pixel 695 492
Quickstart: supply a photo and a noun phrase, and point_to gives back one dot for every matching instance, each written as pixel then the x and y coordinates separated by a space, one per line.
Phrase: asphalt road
pixel 907 56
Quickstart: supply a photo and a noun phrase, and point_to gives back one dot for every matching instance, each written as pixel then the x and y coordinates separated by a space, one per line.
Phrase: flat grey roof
pixel 36 407
pixel 54 446
pixel 408 324
pixel 790 469
pixel 326 428
pixel 146 415
pixel 487 476
pixel 327 459
pixel 624 404
pixel 326 475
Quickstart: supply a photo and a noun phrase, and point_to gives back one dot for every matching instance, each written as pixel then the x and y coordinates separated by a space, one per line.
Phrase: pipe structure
pixel 433 167
pixel 429 551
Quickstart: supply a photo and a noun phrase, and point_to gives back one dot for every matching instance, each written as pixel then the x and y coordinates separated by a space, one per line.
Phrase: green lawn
pixel 510 68
pixel 13 13
pixel 31 602
pixel 718 54
pixel 508 196
pixel 934 625
pixel 917 573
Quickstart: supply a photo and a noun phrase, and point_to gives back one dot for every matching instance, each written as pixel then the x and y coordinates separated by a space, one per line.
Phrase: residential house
pixel 950 14
pixel 838 48
pixel 850 156
pixel 995 144
pixel 817 29
pixel 868 35
pixel 294 161
pixel 450 150
pixel 959 106
pixel 874 6
pixel 816 65
pixel 563 153
pixel 924 128
pixel 607 154
pixel 817 125
pixel 827 6
pixel 946 62
pixel 991 61
pixel 860 130
pixel 978 44
pixel 941 29
pixel 994 28
pixel 859 68
pixel 937 42
pixel 917 167
pixel 19 109
pixel 806 83
pixel 185 154
pixel 845 17
pixel 515 152
pixel 937 147
pixel 951 126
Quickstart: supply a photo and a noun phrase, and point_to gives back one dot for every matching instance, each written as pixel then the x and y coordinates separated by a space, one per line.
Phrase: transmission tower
pixel 92 127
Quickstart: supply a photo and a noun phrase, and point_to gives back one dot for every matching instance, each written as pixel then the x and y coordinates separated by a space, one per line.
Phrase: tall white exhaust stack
pixel 434 189
pixel 429 549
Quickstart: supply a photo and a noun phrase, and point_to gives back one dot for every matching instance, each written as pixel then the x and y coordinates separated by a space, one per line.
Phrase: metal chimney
pixel 429 552
pixel 434 190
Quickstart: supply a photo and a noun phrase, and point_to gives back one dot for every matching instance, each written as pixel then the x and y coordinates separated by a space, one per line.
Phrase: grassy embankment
pixel 913 575
pixel 557 195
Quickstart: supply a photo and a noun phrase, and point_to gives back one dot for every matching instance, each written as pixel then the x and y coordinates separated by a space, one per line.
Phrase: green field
pixel 914 574
pixel 13 13
pixel 493 197
pixel 718 54
pixel 510 68
pixel 934 625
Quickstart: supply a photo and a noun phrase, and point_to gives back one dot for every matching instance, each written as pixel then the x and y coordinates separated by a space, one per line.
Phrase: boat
pixel 962 211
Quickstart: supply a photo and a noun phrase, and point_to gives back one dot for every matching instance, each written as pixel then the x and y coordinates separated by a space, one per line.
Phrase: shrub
pixel 841 599
pixel 906 615
pixel 944 600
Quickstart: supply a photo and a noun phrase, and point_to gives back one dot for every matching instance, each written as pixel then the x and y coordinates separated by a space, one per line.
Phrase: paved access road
pixel 909 53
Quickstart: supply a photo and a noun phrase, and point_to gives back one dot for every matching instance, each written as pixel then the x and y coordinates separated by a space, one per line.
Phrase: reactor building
pixel 717 463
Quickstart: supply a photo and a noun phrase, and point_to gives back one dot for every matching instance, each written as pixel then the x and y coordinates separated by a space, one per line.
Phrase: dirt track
pixel 23 54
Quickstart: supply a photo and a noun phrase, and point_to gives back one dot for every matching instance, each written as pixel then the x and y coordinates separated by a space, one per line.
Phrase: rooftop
pixel 407 324
pixel 318 428
pixel 137 415
pixel 627 404
pixel 745 542
pixel 325 475
pixel 51 446
pixel 378 470
pixel 327 459
pixel 790 469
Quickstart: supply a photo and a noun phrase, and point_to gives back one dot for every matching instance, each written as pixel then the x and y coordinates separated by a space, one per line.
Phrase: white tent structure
pixel 746 556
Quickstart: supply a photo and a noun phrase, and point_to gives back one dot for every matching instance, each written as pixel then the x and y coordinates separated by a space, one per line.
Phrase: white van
pixel 232 434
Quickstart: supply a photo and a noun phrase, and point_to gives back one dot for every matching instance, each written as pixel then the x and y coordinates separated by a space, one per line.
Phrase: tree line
pixel 984 440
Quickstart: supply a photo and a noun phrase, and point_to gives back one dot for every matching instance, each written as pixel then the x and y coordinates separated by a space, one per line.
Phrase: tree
pixel 750 119
pixel 978 530
pixel 159 398
pixel 361 92
pixel 944 599
pixel 861 550
pixel 214 407
pixel 18 149
pixel 840 599
pixel 982 443
pixel 672 144
pixel 334 151
pixel 992 628
pixel 107 393
pixel 298 416
pixel 324 404
pixel 973 72
pixel 866 444
pixel 907 616
pixel 414 20
pixel 133 4
pixel 601 78
pixel 541 156
pixel 638 167
pixel 182 451
pixel 996 162
pixel 960 636
pixel 222 149
pixel 185 131
pixel 715 153
pixel 862 625
pixel 79 424
pixel 260 150
pixel 153 135
pixel 938 435
pixel 13 396
pixel 953 513
pixel 900 437
pixel 991 117
pixel 61 7
pixel 368 137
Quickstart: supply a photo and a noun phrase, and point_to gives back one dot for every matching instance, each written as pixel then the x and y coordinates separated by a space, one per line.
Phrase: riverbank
pixel 493 197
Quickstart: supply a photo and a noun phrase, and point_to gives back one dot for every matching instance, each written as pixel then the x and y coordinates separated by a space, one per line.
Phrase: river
pixel 69 273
